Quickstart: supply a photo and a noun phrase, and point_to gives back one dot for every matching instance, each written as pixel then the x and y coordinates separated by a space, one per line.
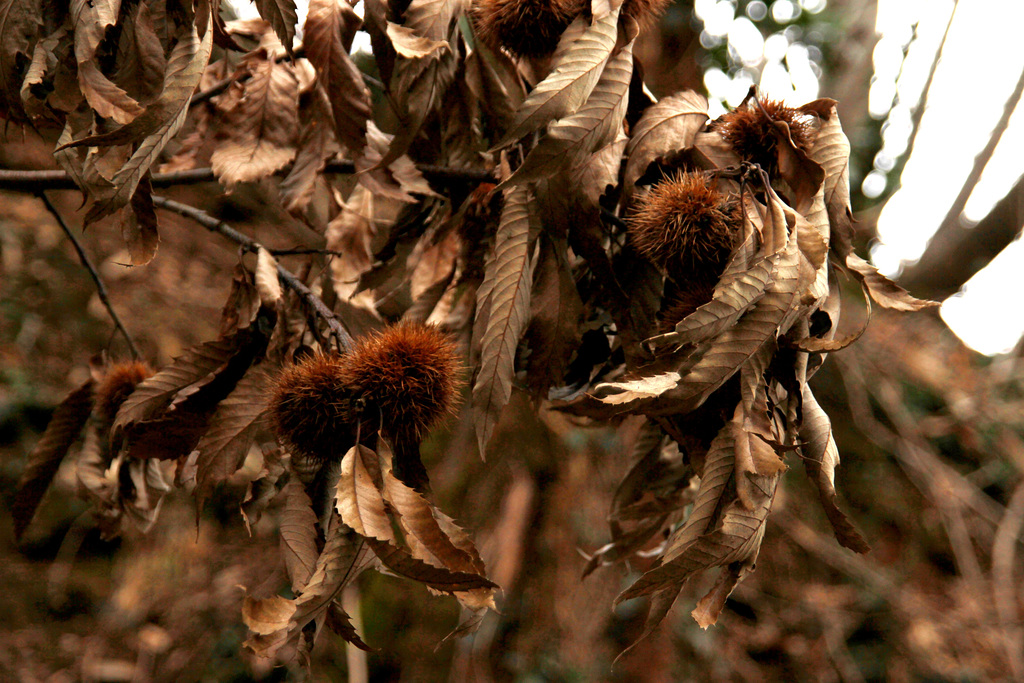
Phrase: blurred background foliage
pixel 930 433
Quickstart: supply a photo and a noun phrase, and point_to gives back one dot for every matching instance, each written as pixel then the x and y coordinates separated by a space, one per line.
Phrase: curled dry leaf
pixel 298 535
pixel 667 126
pixel 282 15
pixel 570 140
pixel 230 433
pixel 503 305
pixel 155 127
pixel 884 291
pixel 359 499
pixel 574 75
pixel 329 29
pixel 267 283
pixel 43 462
pixel 261 129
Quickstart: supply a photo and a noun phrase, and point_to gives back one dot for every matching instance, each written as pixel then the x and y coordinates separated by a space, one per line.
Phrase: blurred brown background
pixel 930 433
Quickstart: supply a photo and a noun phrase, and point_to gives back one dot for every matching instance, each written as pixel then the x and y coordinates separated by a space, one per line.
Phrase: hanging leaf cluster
pixel 521 207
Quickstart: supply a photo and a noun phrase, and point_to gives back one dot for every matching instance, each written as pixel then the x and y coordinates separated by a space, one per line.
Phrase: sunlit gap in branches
pixel 981 62
pixel 246 9
pixel 785 64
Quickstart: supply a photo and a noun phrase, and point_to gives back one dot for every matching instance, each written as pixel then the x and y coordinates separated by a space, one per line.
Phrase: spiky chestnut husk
pixel 311 410
pixel 749 129
pixel 406 374
pixel 117 385
pixel 682 303
pixel 525 28
pixel 646 12
pixel 685 226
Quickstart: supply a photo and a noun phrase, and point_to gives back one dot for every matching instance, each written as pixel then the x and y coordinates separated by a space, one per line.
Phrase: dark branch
pixel 288 279
pixel 35 181
pixel 101 289
pixel 915 120
pixel 294 252
pixel 947 246
pixel 953 258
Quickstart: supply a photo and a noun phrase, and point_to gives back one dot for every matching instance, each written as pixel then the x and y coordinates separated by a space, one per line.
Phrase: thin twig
pixel 101 289
pixel 296 252
pixel 1004 592
pixel 341 335
pixel 915 119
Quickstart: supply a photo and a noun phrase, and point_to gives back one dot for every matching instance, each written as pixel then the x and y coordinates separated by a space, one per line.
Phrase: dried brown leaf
pixel 268 615
pixel 360 501
pixel 156 126
pixel 495 82
pixel 710 607
pixel 281 15
pixel 427 541
pixel 43 462
pixel 19 26
pixel 503 306
pixel 884 291
pixel 264 488
pixel 344 556
pixel 316 145
pixel 194 368
pixel 433 18
pixel 261 129
pixel 230 433
pixel 90 21
pixel 141 62
pixel 169 412
pixel 418 85
pixel 592 179
pixel 298 535
pixel 401 563
pixel 736 538
pixel 667 126
pixel 555 311
pixel 141 501
pixel 573 76
pixel 339 622
pixel 330 26
pixel 569 141
pixel 139 225
pixel 821 457
pixel 831 150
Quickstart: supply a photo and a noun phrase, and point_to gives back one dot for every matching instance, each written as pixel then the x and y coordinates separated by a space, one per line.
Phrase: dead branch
pixel 946 246
pixel 341 335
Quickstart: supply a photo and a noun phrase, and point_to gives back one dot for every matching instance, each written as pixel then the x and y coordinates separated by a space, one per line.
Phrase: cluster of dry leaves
pixel 533 273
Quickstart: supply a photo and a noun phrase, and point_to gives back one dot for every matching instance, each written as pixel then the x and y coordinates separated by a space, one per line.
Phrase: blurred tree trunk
pixel 848 77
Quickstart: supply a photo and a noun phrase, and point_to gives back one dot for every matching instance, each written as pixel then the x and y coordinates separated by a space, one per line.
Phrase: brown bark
pixel 957 252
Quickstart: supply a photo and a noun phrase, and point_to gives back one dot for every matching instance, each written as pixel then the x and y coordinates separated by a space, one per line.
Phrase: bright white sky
pixel 982 60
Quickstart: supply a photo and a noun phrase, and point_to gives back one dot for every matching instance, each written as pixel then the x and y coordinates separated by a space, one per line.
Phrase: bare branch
pixel 101 289
pixel 953 257
pixel 341 335
pixel 949 239
pixel 35 181
pixel 915 120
